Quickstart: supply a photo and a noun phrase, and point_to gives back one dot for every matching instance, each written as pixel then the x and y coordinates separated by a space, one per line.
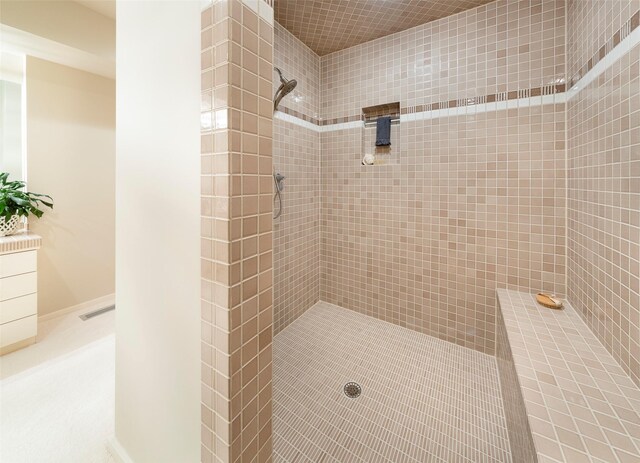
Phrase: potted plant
pixel 16 203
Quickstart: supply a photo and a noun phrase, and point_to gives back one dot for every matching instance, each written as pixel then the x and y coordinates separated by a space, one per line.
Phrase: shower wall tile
pixel 498 47
pixel 296 233
pixel 237 273
pixel 592 24
pixel 296 154
pixel 604 189
pixel 464 204
pixel 299 62
pixel 474 203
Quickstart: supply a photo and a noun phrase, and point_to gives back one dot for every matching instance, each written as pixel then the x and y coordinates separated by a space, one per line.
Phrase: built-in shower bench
pixel 566 399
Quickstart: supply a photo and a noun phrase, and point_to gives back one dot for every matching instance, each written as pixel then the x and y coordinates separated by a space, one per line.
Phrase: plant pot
pixel 9 227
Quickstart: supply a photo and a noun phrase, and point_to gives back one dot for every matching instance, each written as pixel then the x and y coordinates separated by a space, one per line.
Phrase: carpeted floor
pixel 57 396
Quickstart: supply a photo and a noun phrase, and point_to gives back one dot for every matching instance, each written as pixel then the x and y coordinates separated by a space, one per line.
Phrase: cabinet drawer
pixel 19 285
pixel 18 330
pixel 17 263
pixel 19 307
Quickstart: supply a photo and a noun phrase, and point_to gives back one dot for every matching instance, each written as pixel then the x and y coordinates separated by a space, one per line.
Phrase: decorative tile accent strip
pixel 551 89
pixel 342 120
pixel 19 242
pixel 581 405
pixel 510 96
pixel 627 28
pixel 299 115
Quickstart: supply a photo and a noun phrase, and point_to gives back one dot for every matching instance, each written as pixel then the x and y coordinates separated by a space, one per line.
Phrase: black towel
pixel 383 131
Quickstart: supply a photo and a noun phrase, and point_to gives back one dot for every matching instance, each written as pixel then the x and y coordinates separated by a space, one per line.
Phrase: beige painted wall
pixel 65 22
pixel 71 156
pixel 158 233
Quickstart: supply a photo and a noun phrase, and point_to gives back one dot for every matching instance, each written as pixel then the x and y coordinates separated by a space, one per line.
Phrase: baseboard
pixel 17 346
pixel 118 452
pixel 93 304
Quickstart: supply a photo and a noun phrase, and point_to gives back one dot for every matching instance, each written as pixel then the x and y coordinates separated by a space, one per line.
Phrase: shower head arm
pixel 282 79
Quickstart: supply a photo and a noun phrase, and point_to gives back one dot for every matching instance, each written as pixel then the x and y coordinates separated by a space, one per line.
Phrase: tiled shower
pixel 514 165
pixel 444 226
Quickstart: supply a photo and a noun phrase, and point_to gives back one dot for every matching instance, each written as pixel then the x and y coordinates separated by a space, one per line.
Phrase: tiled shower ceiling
pixel 326 26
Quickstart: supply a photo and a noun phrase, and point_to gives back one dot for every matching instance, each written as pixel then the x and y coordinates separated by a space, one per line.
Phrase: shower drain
pixel 352 390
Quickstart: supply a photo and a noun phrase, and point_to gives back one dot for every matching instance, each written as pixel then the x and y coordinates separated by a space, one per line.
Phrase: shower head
pixel 286 87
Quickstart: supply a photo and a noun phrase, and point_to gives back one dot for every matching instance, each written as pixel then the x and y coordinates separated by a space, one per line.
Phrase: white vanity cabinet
pixel 18 291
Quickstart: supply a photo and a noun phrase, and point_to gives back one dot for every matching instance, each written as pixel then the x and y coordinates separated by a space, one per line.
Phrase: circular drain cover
pixel 352 390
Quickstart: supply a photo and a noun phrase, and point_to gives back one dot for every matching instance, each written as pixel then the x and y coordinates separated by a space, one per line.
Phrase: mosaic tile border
pixel 627 28
pixel 443 110
pixel 524 94
pixel 552 89
pixel 496 97
pixel 299 115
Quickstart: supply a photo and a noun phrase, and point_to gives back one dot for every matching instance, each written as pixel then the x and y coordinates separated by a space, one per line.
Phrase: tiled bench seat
pixel 566 398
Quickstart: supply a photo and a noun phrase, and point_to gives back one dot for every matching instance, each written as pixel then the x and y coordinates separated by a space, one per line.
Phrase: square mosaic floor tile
pixel 422 400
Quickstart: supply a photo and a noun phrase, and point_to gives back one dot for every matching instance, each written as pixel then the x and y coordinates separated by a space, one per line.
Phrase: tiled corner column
pixel 237 261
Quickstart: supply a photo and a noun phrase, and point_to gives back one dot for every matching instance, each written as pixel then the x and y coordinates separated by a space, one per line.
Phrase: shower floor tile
pixel 423 399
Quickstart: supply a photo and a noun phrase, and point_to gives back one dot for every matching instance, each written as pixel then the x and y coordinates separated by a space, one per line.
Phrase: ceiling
pixel 104 7
pixel 326 26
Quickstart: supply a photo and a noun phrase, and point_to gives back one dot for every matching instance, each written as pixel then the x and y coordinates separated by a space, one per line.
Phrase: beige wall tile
pixel 424 242
pixel 603 227
pixel 296 233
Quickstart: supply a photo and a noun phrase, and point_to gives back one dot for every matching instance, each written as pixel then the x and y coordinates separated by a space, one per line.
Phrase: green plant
pixel 15 201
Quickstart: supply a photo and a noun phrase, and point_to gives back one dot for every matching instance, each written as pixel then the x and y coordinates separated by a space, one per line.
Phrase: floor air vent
pixel 95 313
